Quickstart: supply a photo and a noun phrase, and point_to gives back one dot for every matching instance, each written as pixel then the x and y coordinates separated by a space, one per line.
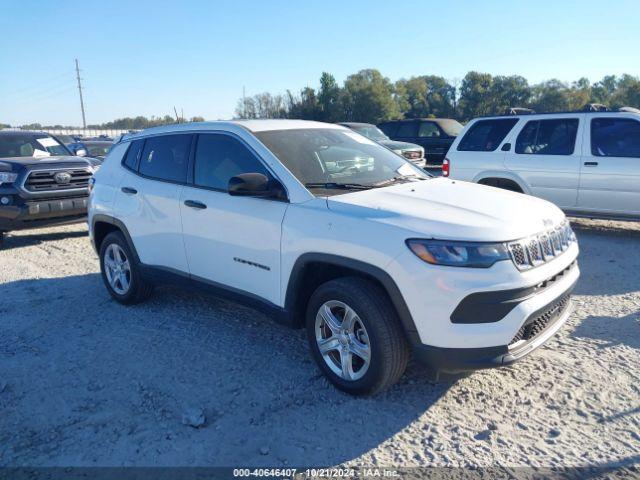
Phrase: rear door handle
pixel 194 204
pixel 129 190
pixel 590 164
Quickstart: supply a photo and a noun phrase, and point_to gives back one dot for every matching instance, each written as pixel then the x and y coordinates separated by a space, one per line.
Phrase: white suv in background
pixel 373 256
pixel 587 163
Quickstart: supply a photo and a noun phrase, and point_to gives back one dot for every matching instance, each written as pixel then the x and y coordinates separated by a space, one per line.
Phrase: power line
pixel 84 121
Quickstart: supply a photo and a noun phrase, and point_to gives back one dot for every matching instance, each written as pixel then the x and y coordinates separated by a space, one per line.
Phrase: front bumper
pixel 41 213
pixel 536 330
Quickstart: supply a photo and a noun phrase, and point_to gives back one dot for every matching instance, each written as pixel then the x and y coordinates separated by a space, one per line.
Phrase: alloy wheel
pixel 343 340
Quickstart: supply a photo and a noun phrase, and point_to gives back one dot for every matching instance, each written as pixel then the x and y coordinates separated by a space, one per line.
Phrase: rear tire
pixel 121 272
pixel 362 322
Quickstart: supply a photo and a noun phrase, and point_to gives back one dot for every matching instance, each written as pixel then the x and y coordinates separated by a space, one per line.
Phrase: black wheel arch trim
pixel 101 218
pixel 373 271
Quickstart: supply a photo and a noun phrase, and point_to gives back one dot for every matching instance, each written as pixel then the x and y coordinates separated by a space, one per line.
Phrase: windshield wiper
pixel 338 186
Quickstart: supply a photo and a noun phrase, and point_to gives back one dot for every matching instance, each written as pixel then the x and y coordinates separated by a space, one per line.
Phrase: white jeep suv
pixel 330 231
pixel 587 163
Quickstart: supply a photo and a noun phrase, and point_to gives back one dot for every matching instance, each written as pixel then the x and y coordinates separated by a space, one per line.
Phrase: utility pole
pixel 84 121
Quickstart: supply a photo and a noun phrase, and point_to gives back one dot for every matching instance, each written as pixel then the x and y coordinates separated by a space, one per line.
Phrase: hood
pixel 395 145
pixel 447 209
pixel 67 161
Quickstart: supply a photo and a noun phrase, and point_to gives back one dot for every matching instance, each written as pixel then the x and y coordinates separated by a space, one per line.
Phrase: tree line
pixel 368 96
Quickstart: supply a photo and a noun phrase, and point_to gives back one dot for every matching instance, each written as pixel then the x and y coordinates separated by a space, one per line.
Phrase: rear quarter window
pixel 486 135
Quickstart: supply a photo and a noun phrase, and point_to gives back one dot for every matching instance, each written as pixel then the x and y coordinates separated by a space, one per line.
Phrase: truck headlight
pixel 7 177
pixel 458 254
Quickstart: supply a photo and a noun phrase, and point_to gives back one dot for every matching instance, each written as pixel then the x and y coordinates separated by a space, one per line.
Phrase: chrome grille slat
pixel 44 180
pixel 539 249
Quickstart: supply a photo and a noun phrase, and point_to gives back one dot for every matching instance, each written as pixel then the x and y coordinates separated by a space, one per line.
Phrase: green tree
pixel 329 97
pixel 369 97
pixel 475 95
pixel 425 96
pixel 550 96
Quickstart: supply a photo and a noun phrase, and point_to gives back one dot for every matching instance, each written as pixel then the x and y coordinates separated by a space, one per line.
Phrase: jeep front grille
pixel 539 249
pixel 45 180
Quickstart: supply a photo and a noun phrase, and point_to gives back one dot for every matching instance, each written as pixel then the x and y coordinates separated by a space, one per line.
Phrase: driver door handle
pixel 195 204
pixel 590 164
pixel 129 190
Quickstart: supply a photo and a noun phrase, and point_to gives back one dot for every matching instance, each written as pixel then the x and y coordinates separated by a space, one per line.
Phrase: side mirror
pixel 80 152
pixel 254 185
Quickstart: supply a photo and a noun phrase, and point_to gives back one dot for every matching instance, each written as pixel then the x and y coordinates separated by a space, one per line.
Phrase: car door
pixel 434 141
pixel 610 169
pixel 149 199
pixel 231 241
pixel 547 159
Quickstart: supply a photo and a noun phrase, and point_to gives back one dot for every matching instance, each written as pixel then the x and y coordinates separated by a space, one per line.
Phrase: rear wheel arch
pixel 314 269
pixel 103 225
pixel 501 182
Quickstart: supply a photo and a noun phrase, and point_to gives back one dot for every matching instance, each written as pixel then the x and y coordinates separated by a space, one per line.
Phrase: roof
pixel 420 119
pixel 356 124
pixel 574 112
pixel 22 132
pixel 233 126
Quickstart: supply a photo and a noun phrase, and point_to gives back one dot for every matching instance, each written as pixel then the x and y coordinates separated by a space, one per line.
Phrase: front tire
pixel 355 336
pixel 121 271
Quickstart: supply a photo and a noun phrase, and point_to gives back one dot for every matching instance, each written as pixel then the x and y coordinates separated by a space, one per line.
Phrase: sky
pixel 144 57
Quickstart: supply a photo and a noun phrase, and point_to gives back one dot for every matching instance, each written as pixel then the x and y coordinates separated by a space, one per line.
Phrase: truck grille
pixel 537 325
pixel 539 249
pixel 412 154
pixel 57 180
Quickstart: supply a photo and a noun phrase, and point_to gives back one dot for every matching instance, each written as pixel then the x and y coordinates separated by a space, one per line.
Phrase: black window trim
pixel 191 162
pixel 628 119
pixel 539 122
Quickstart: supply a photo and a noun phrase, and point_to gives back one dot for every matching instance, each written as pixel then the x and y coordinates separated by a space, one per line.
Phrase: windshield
pixel 451 127
pixel 35 145
pixel 371 131
pixel 98 149
pixel 329 158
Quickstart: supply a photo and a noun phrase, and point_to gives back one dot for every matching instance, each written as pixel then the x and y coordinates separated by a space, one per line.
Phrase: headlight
pixel 8 177
pixel 458 254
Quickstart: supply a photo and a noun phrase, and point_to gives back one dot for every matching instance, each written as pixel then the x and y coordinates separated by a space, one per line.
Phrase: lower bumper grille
pixel 535 326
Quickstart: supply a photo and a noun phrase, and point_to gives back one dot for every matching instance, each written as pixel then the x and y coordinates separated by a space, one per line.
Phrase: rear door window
pixel 548 137
pixel 486 135
pixel 429 130
pixel 166 157
pixel 407 130
pixel 615 137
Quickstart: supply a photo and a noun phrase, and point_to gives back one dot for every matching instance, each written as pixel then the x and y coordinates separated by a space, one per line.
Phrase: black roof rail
pixel 518 111
pixel 596 107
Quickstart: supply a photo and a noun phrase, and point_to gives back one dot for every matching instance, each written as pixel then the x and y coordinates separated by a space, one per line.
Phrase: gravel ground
pixel 85 381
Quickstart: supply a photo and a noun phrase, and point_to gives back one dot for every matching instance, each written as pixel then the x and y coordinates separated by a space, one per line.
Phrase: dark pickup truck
pixel 41 183
pixel 435 135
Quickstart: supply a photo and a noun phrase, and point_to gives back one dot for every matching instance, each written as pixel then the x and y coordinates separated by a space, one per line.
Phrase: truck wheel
pixel 121 272
pixel 355 336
